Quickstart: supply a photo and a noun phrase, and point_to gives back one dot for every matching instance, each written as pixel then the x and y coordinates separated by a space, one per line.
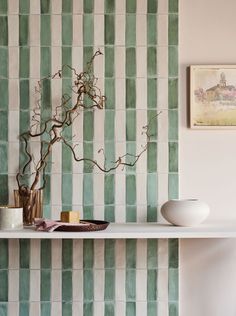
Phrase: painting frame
pixel 212 96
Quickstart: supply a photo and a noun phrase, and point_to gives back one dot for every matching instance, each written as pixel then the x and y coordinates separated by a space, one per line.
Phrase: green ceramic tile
pixel 173 93
pixel 4 6
pixel 4 30
pixel 45 30
pixel 23 30
pixel 152 253
pixel 173 309
pixel 130 309
pixel 88 189
pixel 88 153
pixel 151 308
pixel 109 293
pixel 173 186
pixel 151 29
pixel 24 309
pixel 87 54
pixel 131 6
pixel 24 121
pixel 4 94
pixel 24 284
pixel 109 29
pixel 131 214
pixel 131 152
pixel 131 245
pixel 110 93
pixel 109 125
pixel 3 309
pixel 67 253
pixel 109 254
pixel 24 6
pixel 110 154
pixel 46 254
pixel 130 189
pixel 24 94
pixel 45 6
pixel 130 285
pixel 88 27
pixel 47 211
pixel 109 62
pixel 66 286
pixel 88 251
pixel 130 63
pixel 131 125
pixel 88 6
pixel 151 61
pixel 151 213
pixel 130 93
pixel 173 6
pixel 66 309
pixel 88 309
pixel 152 157
pixel 3 62
pixel 45 308
pixel 24 253
pixel 152 189
pixel 45 63
pixel 88 125
pixel 3 254
pixel 130 30
pixel 4 286
pixel 66 73
pixel 46 96
pixel 173 29
pixel 173 125
pixel 45 285
pixel 153 121
pixel 88 285
pixel 152 6
pixel 67 6
pixel 152 285
pixel 109 309
pixel 88 211
pixel 4 189
pixel 4 158
pixel 109 213
pixel 109 189
pixel 67 29
pixel 66 189
pixel 173 61
pixel 173 157
pixel 173 253
pixel 24 62
pixel 151 93
pixel 173 284
pixel 109 6
pixel 66 159
pixel 47 190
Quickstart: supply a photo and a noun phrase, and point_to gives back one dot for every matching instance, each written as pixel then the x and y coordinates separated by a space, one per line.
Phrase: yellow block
pixel 70 217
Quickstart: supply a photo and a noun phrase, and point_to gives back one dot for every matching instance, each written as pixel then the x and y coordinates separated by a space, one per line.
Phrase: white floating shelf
pixel 133 231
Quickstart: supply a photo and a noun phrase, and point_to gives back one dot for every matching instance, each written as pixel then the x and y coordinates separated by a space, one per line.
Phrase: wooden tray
pixel 94 225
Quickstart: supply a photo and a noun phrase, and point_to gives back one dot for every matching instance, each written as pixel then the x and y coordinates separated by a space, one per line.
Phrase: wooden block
pixel 70 217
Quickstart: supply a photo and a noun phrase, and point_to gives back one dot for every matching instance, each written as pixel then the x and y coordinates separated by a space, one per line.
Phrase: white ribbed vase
pixel 188 212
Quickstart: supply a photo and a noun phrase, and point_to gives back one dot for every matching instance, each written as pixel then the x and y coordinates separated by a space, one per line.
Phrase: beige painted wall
pixel 207 164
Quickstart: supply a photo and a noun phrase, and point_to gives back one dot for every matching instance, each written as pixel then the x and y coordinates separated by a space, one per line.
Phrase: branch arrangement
pixel 86 89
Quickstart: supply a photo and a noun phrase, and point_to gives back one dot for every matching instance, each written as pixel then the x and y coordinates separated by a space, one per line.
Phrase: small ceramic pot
pixel 11 217
pixel 189 212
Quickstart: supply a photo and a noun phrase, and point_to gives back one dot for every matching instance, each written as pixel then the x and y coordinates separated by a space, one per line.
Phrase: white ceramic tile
pixel 141 94
pixel 56 159
pixel 77 30
pixel 141 62
pixel 13 308
pixel 55 211
pixel 162 62
pixel 56 253
pixel 12 185
pixel 99 254
pixel 77 187
pixel 13 158
pixel 13 7
pixel 99 118
pixel 34 63
pixel 120 308
pixel 141 213
pixel 13 285
pixel 120 6
pixel 162 30
pixel 98 7
pixel 35 254
pixel 98 194
pixel 120 254
pixel 98 212
pixel 162 284
pixel 162 188
pixel 119 29
pixel 141 309
pixel 162 253
pixel 141 164
pixel 141 182
pixel 34 308
pixel 13 121
pixel 98 156
pixel 13 30
pixel 141 28
pixel 34 285
pixel 162 93
pixel 13 63
pixel 99 285
pixel 120 121
pixel 162 308
pixel 162 6
pixel 56 30
pixel 120 213
pixel 34 7
pixel 56 308
pixel 14 97
pixel 13 254
pixel 98 31
pixel 120 94
pixel 141 256
pixel 120 285
pixel 141 123
pixel 141 7
pixel 77 277
pixel 120 190
pixel 162 124
pixel 77 308
pixel 56 285
pixel 163 157
pixel 77 254
pixel 56 6
pixel 120 151
pixel 99 307
pixel 77 6
pixel 56 184
pixel 120 62
pixel 34 30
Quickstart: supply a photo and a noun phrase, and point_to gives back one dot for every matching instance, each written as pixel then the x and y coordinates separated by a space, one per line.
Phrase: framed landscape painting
pixel 213 96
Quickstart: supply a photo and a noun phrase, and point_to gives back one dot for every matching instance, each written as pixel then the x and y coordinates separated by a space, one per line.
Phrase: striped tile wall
pixel 139 74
